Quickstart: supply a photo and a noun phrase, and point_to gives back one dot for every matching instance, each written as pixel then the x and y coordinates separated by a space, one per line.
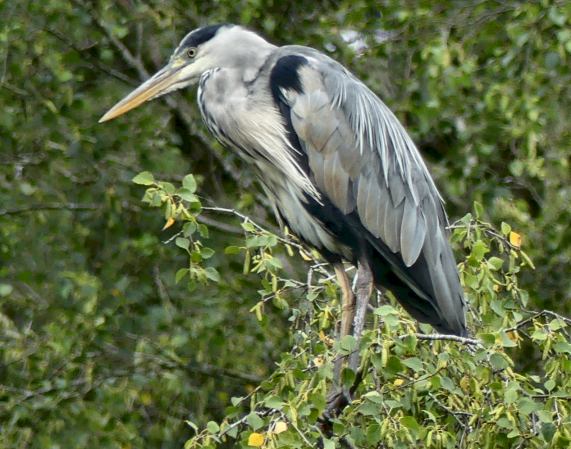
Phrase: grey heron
pixel 342 171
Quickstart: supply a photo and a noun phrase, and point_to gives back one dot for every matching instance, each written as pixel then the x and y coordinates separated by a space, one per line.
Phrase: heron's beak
pixel 158 84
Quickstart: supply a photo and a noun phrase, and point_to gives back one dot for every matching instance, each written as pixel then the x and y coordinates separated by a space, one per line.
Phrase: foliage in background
pixel 100 346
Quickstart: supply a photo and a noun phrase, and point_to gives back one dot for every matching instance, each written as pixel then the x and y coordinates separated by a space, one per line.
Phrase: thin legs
pixel 354 306
pixel 353 315
pixel 363 290
pixel 348 310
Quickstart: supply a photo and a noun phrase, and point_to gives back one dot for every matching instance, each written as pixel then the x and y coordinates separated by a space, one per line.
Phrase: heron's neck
pixel 252 61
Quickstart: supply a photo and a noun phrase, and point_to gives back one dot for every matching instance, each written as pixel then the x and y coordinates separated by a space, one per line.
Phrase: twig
pixel 301 434
pixel 243 420
pixel 537 315
pixel 225 210
pixel 445 337
pixel 92 62
pixel 219 225
pixel 454 413
pixel 166 359
pixel 49 206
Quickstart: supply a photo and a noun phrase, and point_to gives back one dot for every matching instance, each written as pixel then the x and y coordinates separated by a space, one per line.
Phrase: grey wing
pixel 361 157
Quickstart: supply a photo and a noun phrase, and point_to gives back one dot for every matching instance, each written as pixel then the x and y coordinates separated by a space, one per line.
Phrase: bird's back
pixel 376 194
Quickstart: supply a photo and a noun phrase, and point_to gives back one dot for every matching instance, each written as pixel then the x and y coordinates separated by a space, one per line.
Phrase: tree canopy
pixel 149 299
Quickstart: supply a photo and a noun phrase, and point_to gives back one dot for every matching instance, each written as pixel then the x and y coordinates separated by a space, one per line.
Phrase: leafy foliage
pixel 219 330
pixel 436 391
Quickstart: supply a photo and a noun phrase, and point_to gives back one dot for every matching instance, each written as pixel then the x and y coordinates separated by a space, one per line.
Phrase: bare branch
pixel 219 225
pixel 225 210
pixel 48 207
pixel 93 63
pixel 538 315
pixel 445 337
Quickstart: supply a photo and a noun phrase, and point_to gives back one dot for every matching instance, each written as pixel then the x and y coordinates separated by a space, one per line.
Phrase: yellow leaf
pixel 317 361
pixel 169 223
pixel 325 339
pixel 515 239
pixel 398 382
pixel 465 383
pixel 281 426
pixel 513 336
pixel 146 398
pixel 255 439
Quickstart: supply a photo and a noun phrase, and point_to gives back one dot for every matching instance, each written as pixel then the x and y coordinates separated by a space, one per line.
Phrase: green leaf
pixel 168 187
pixel 189 183
pixel 495 263
pixel 232 250
pixel 254 421
pixel 187 195
pixel 527 406
pixel 274 402
pixel 203 231
pixel 348 344
pixel 479 250
pixel 549 384
pixel 180 274
pixel 6 289
pixel 545 416
pixel 206 253
pixel 562 346
pixel 144 178
pixel 478 209
pixel 374 396
pixel 410 422
pixel 506 229
pixel 189 228
pixel 212 274
pixel 511 394
pixel 414 363
pixel 212 427
pixel 182 242
pixel 499 361
pixel 328 444
pixel 385 310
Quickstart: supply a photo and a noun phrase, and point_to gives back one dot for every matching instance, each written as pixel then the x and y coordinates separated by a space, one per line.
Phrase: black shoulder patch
pixel 285 75
pixel 201 35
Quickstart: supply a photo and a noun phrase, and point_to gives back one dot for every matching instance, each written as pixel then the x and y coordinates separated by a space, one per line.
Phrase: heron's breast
pixel 290 203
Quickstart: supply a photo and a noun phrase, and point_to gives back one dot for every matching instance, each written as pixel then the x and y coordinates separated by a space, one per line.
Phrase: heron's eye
pixel 191 52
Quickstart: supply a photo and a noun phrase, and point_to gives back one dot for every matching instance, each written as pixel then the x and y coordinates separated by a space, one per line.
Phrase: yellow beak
pixel 152 88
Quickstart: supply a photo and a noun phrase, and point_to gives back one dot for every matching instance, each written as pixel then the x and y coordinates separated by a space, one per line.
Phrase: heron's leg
pixel 363 290
pixel 347 311
pixel 348 300
pixel 340 397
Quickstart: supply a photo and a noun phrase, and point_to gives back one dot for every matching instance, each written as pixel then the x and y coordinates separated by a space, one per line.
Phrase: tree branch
pixel 48 207
pixel 537 315
pixel 445 337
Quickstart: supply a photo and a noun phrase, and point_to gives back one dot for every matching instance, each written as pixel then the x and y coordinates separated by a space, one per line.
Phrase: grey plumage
pixel 341 169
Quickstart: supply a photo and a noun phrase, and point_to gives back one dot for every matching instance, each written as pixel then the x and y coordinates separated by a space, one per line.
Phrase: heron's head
pixel 223 46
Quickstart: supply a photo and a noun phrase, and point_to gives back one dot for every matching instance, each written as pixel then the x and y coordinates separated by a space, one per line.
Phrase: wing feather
pixel 363 160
